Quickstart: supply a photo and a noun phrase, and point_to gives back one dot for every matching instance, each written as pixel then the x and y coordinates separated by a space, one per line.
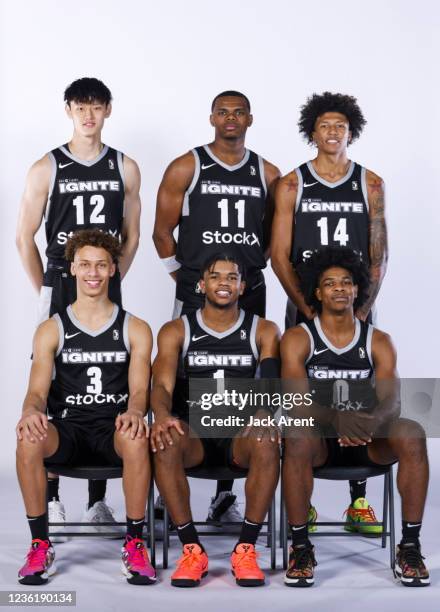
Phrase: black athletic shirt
pixel 91 368
pixel 82 195
pixel 331 214
pixel 210 354
pixel 223 209
pixel 341 376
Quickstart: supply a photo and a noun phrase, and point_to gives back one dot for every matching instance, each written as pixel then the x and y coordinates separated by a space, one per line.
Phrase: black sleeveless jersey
pixel 83 195
pixel 223 208
pixel 91 368
pixel 210 354
pixel 341 377
pixel 330 214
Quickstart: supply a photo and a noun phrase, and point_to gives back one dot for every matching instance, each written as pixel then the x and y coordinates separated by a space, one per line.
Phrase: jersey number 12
pixel 97 201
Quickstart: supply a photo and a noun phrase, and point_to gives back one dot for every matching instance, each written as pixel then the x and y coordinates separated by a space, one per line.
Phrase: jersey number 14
pixel 340 234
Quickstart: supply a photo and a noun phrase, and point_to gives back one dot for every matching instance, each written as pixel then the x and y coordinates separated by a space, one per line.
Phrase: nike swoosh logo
pixel 68 336
pixel 195 338
pixel 138 522
pixel 208 166
pixel 409 524
pixel 65 165
pixel 296 528
pixel 310 184
pixel 315 352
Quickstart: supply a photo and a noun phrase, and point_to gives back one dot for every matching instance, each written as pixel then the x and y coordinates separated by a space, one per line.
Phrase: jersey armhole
pixel 253 338
pixel 299 191
pixel 369 342
pixel 120 162
pixel 312 342
pixel 262 177
pixel 195 178
pixel 53 173
pixel 125 331
pixel 364 187
pixel 187 336
pixel 57 318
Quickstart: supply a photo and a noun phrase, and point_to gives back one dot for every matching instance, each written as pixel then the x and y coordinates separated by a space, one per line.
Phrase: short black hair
pixel 311 270
pixel 86 90
pixel 210 262
pixel 328 102
pixel 233 94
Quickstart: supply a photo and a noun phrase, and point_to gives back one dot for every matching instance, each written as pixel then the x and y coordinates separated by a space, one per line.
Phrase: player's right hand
pixel 160 435
pixel 353 428
pixel 32 426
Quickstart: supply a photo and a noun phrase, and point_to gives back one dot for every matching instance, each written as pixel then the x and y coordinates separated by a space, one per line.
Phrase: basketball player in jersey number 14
pixel 329 201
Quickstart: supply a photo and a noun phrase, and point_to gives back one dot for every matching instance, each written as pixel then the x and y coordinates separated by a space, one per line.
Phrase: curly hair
pixel 95 238
pixel 328 102
pixel 311 270
pixel 210 262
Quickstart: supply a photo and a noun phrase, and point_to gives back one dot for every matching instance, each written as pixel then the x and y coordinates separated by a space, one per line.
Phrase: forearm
pixel 34 402
pixel 377 274
pixel 31 260
pixel 164 242
pixel 289 281
pixel 137 402
pixel 161 402
pixel 129 251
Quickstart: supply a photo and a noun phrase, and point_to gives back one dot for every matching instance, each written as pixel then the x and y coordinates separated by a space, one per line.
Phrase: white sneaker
pixel 224 509
pixel 159 507
pixel 57 514
pixel 101 513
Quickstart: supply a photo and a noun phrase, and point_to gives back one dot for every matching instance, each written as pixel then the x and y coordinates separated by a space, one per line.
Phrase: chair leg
pixel 269 527
pixel 152 526
pixel 385 509
pixel 281 517
pixel 392 532
pixel 166 539
pixel 285 536
pixel 273 534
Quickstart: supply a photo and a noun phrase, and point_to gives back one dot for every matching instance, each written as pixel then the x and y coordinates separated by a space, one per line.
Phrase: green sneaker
pixel 361 512
pixel 311 520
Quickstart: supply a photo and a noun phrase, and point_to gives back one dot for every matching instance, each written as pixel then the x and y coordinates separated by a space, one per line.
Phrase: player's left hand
pixel 133 421
pixel 272 432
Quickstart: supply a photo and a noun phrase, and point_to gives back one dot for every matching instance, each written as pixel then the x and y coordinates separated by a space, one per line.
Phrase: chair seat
pixel 216 473
pixel 349 472
pixel 89 472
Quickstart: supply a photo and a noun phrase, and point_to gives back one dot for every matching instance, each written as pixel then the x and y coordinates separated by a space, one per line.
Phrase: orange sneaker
pixel 245 567
pixel 191 567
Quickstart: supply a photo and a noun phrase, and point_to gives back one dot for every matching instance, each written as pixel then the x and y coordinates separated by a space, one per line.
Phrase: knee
pixel 137 447
pixel 266 451
pixel 28 452
pixel 170 453
pixel 298 449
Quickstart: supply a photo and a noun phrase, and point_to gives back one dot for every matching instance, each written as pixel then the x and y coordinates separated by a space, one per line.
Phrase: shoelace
pixel 37 556
pixel 137 552
pixel 303 557
pixel 363 513
pixel 247 559
pixel 189 559
pixel 412 557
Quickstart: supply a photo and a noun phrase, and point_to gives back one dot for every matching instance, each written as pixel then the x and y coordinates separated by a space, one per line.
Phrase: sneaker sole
pixel 187 583
pixel 366 534
pixel 411 582
pixel 137 578
pixel 36 579
pixel 248 582
pixel 299 582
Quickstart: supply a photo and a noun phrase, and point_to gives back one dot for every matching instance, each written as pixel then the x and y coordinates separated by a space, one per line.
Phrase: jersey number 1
pixel 224 212
pixel 97 201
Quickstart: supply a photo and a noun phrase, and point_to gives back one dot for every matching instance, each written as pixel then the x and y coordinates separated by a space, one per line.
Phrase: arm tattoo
pixel 292 185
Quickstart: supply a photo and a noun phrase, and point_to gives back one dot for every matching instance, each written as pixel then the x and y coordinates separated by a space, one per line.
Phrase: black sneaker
pixel 409 566
pixel 301 564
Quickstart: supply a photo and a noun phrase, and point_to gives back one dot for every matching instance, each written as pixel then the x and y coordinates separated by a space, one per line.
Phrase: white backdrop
pixel 164 62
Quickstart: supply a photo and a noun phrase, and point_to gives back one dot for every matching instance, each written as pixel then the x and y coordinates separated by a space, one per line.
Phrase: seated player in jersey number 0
pixel 241 340
pixel 97 400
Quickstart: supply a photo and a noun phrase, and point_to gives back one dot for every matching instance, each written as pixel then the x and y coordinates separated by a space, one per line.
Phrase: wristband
pixel 171 264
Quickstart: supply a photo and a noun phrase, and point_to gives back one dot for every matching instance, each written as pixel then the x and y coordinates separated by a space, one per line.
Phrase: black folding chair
pixel 223 473
pixel 100 473
pixel 351 473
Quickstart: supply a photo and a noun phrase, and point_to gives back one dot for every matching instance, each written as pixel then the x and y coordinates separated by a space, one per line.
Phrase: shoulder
pixel 139 328
pixel 288 182
pixel 267 328
pixel 295 337
pixel 172 331
pixel 183 164
pixel 47 334
pixel 381 340
pixel 131 167
pixel 271 171
pixel 373 179
pixel 41 169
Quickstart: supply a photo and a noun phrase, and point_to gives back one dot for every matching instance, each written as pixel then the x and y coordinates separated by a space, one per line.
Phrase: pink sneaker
pixel 39 563
pixel 136 565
